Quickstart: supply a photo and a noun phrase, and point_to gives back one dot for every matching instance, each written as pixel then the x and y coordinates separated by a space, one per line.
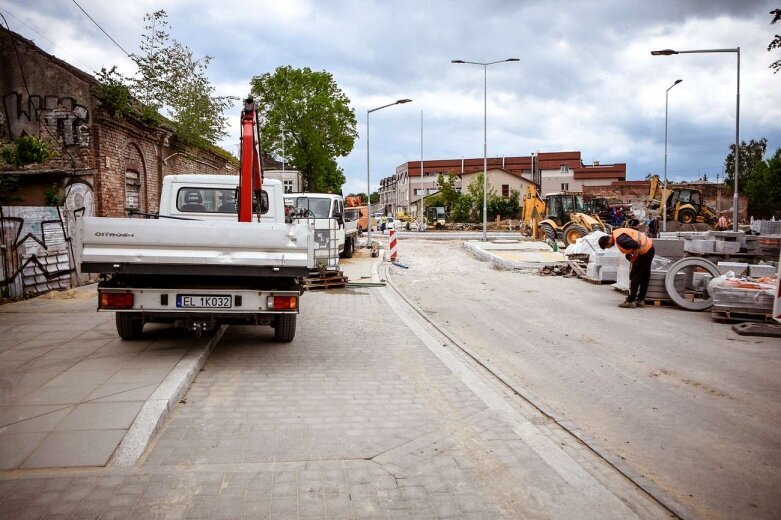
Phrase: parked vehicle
pixel 222 251
pixel 330 218
pixel 558 216
pixel 436 216
pixel 686 205
pixel 358 214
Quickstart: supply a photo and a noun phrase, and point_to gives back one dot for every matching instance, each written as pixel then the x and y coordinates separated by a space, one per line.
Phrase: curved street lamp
pixel 368 171
pixel 735 200
pixel 664 192
pixel 485 134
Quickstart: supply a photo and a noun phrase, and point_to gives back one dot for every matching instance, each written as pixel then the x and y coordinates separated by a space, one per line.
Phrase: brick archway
pixel 135 176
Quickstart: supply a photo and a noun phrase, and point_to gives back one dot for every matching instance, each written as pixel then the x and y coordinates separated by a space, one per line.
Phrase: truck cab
pixel 336 231
pixel 213 197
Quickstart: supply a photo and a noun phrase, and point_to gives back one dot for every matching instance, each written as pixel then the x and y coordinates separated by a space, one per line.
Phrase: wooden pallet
pixel 733 316
pixel 320 280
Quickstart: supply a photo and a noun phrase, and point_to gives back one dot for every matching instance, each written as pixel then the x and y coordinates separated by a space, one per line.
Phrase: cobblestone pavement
pixel 357 418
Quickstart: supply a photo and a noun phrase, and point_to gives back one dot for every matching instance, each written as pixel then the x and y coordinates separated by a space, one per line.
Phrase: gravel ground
pixel 684 400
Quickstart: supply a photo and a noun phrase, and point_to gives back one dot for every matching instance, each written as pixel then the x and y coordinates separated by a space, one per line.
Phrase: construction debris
pixel 557 270
pixel 324 279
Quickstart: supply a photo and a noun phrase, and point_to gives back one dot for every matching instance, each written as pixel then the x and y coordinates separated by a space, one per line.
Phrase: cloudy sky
pixel 585 80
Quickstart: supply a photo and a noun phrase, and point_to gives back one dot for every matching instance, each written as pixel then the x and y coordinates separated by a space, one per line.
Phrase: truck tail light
pixel 282 303
pixel 114 300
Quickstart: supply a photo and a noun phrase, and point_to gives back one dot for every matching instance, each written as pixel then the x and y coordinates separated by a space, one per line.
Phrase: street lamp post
pixel 485 134
pixel 664 191
pixel 735 200
pixel 368 172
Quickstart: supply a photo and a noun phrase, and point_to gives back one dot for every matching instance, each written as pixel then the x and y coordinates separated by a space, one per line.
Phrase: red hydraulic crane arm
pixel 251 174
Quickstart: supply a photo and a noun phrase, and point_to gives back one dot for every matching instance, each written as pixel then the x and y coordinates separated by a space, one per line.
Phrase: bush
pixel 27 149
pixel 112 93
pixel 51 197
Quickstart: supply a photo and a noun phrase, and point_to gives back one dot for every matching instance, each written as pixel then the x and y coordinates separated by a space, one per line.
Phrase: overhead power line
pixel 101 28
pixel 54 45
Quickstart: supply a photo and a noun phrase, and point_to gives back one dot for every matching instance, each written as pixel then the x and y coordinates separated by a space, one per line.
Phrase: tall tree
pixel 776 43
pixel 170 78
pixel 314 115
pixel 763 188
pixel 750 155
pixel 447 190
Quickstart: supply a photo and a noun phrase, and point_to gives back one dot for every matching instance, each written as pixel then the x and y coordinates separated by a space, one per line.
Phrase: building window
pixel 132 189
pixel 564 186
pixel 564 168
pixel 288 186
pixel 505 190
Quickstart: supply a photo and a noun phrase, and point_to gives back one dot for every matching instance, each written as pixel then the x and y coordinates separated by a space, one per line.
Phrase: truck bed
pixel 196 247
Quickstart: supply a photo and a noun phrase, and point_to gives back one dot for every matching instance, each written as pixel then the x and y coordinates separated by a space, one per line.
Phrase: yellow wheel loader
pixel 686 205
pixel 560 216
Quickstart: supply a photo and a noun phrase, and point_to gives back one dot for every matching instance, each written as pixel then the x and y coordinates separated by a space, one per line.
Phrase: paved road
pixel 685 401
pixel 364 415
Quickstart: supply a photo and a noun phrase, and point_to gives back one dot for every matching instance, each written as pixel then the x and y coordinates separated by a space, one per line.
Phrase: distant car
pixel 390 223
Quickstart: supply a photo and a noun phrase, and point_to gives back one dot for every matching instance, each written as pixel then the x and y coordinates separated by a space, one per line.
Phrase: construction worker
pixel 639 250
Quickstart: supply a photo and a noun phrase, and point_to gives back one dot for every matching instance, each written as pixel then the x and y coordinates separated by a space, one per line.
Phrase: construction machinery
pixel 560 216
pixel 686 205
pixel 436 216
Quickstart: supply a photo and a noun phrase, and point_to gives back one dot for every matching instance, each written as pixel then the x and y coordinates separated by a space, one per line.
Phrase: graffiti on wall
pixel 37 255
pixel 63 117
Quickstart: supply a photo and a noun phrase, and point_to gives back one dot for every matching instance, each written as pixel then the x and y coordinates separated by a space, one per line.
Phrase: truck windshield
pixel 320 208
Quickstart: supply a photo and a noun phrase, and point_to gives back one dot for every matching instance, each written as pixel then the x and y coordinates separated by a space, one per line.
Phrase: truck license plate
pixel 204 301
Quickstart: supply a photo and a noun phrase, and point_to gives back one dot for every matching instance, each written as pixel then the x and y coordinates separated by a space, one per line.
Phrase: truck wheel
pixel 285 328
pixel 349 247
pixel 128 327
pixel 574 232
pixel 548 231
pixel 687 216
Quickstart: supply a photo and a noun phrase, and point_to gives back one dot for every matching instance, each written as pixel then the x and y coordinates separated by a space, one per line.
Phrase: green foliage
pixel 776 43
pixel 113 93
pixel 375 197
pixel 150 116
pixel 464 209
pixel 448 194
pixel 51 197
pixel 9 185
pixel 169 78
pixel 27 149
pixel 763 188
pixel 316 119
pixel 504 207
pixel 750 155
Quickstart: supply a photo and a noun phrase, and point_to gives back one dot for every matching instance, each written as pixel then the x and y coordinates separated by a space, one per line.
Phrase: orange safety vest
pixel 645 242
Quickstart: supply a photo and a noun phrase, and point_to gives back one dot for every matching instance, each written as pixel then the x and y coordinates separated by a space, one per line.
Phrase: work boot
pixel 640 304
pixel 627 305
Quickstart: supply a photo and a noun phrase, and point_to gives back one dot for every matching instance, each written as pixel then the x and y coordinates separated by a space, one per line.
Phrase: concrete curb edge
pixel 159 406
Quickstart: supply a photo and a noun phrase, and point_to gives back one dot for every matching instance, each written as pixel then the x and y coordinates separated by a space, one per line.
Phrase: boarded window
pixel 132 189
pixel 505 190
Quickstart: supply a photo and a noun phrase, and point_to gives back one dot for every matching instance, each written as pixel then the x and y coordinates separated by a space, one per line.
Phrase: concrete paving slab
pixel 16 447
pixel 75 448
pixel 67 376
pixel 515 255
pixel 101 416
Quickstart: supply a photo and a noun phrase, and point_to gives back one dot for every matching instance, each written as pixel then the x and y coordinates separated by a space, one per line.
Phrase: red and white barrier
pixel 393 252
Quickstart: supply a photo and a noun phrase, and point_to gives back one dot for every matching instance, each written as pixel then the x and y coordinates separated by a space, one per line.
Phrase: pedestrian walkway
pixel 360 417
pixel 70 389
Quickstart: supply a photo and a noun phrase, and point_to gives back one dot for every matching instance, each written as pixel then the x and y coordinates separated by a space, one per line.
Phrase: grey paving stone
pixel 101 416
pixel 75 448
pixel 16 447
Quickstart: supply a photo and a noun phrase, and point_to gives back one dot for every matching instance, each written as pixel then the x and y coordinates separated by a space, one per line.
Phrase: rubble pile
pixel 556 270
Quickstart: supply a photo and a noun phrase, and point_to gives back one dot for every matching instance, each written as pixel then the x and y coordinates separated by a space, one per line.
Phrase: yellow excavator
pixel 686 205
pixel 560 216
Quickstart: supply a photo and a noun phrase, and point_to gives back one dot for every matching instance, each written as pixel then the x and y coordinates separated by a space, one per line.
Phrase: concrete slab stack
pixel 739 300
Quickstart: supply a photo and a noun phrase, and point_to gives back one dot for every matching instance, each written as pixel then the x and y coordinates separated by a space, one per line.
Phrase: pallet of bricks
pixel 745 297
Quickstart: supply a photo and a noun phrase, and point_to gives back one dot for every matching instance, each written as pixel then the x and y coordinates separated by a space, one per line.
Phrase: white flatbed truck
pixel 202 272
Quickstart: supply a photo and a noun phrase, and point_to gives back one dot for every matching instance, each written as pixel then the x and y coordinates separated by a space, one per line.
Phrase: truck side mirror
pixel 339 217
